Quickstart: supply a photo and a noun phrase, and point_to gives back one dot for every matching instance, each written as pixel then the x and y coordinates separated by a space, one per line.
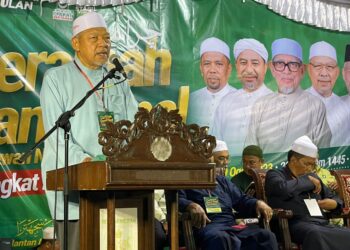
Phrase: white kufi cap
pixel 220 146
pixel 251 44
pixel 88 21
pixel 214 44
pixel 303 145
pixel 323 49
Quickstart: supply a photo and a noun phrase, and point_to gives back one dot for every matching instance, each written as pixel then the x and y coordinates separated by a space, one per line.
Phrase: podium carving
pixel 157 128
pixel 156 151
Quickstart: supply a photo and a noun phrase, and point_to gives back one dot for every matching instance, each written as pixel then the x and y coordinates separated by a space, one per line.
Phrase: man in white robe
pixel 233 114
pixel 215 68
pixel 280 118
pixel 346 75
pixel 323 72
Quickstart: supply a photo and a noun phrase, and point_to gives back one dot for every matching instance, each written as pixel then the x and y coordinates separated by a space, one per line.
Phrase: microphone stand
pixel 63 122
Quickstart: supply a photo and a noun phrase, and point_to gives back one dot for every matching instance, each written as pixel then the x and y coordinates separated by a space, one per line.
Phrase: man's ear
pixel 272 69
pixel 303 68
pixel 75 43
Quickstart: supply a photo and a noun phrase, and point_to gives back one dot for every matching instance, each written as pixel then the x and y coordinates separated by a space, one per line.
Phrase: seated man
pixel 221 157
pixel 214 222
pixel 252 157
pixel 294 187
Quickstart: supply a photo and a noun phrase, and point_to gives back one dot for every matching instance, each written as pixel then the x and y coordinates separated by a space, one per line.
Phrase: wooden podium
pixel 157 151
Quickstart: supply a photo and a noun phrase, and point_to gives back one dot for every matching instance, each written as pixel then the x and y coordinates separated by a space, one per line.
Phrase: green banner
pixel 158 43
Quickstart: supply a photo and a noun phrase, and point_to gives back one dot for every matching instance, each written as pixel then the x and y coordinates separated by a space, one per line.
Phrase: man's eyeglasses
pixel 292 66
pixel 319 67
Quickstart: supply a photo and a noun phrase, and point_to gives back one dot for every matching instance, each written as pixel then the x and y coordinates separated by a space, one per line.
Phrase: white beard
pixel 286 90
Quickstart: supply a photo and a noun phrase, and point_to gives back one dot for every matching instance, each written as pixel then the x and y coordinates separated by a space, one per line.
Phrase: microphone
pixel 113 59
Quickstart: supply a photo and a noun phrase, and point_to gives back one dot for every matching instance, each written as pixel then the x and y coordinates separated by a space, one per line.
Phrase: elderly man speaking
pixel 62 88
pixel 280 118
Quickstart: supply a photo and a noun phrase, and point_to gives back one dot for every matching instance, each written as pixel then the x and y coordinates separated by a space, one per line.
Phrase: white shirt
pixel 338 118
pixel 346 99
pixel 233 115
pixel 279 119
pixel 203 104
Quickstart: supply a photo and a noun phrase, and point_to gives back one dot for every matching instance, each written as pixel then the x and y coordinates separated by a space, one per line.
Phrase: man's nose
pixel 213 69
pixel 286 69
pixel 323 71
pixel 249 68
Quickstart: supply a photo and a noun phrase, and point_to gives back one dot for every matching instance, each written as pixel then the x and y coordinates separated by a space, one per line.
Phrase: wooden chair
pixel 187 225
pixel 343 179
pixel 187 231
pixel 280 214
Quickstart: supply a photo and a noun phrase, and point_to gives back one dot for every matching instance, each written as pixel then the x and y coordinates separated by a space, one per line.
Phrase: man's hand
pixel 199 218
pixel 165 227
pixel 327 204
pixel 251 192
pixel 333 185
pixel 264 209
pixel 317 184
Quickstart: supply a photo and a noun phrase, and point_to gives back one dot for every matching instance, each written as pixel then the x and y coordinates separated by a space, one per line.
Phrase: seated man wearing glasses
pixel 294 187
pixel 279 118
pixel 323 72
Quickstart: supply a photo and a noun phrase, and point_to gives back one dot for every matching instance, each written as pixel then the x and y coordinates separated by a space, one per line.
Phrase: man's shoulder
pixel 305 94
pixel 231 97
pixel 274 172
pixel 346 98
pixel 198 92
pixel 59 70
pixel 239 176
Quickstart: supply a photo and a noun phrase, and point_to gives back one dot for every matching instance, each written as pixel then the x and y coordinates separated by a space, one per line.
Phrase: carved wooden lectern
pixel 157 151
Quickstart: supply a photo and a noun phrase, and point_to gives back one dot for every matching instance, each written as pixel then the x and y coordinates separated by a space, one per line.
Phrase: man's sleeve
pixel 277 185
pixel 327 193
pixel 183 201
pixel 242 203
pixel 322 134
pixel 219 119
pixel 251 138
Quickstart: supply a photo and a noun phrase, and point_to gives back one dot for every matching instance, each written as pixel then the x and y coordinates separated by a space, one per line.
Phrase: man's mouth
pixel 249 78
pixel 324 82
pixel 102 54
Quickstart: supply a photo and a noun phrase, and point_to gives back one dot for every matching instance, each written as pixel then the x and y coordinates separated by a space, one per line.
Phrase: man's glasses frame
pixel 292 66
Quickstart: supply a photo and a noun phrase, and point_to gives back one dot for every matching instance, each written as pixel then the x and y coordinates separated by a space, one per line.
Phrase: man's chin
pixel 286 90
pixel 250 86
